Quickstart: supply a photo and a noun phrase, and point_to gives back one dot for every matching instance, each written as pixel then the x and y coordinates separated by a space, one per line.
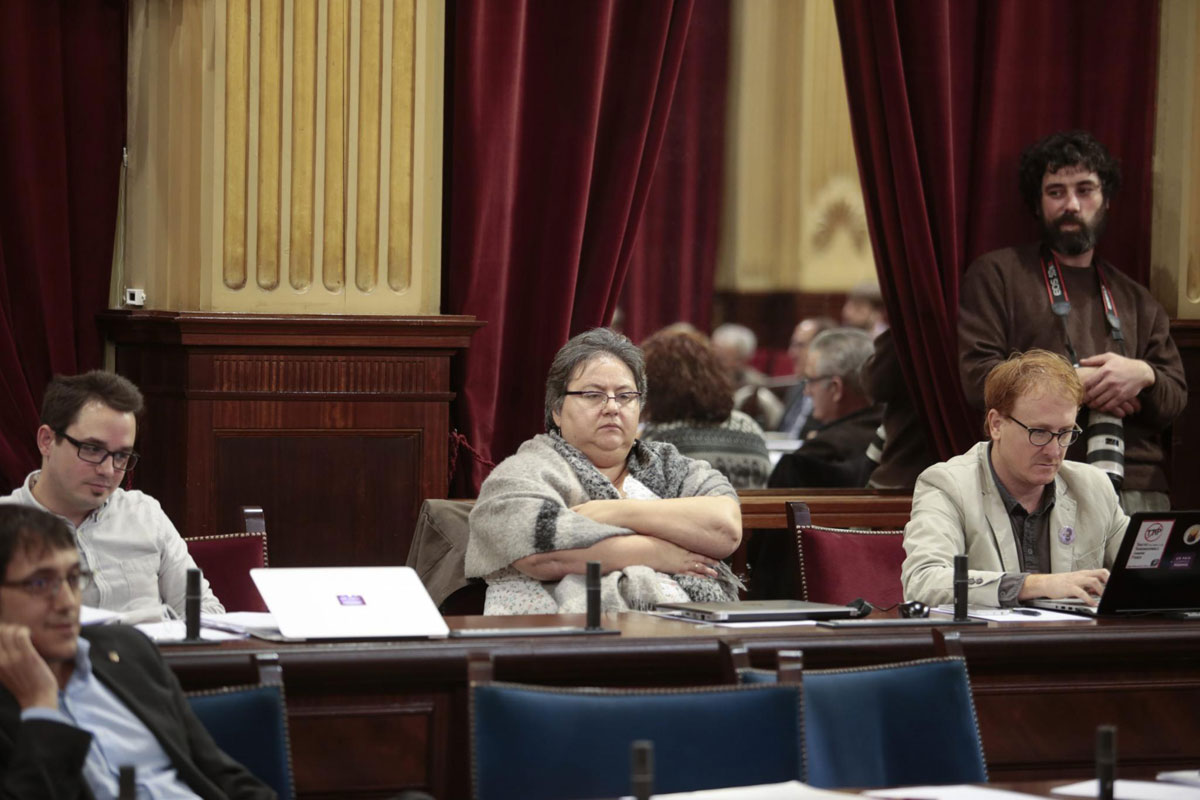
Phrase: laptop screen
pixel 349 602
pixel 1158 566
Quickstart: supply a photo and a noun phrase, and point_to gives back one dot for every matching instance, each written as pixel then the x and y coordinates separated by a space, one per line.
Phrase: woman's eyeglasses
pixel 599 399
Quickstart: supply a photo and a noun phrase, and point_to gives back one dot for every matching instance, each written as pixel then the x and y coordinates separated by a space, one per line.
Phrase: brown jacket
pixel 1003 307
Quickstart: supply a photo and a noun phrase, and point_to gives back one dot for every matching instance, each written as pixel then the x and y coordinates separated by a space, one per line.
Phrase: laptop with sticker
pixel 1157 569
pixel 349 603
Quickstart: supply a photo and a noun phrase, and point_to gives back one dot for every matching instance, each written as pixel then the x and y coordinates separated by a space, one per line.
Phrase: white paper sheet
pixel 175 630
pixel 1133 790
pixel 955 792
pixel 1010 615
pixel 1189 776
pixel 253 623
pixel 792 790
pixel 761 624
pixel 96 616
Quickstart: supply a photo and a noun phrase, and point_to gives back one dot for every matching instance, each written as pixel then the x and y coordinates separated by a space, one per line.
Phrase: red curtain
pixel 62 102
pixel 674 260
pixel 944 94
pixel 559 110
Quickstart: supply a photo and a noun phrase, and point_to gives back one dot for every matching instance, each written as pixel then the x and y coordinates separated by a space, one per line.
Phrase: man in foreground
pixel 77 706
pixel 140 563
pixel 1031 524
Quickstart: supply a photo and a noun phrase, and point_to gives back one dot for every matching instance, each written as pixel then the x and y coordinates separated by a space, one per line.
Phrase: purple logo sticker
pixel 1181 561
pixel 351 600
pixel 1066 535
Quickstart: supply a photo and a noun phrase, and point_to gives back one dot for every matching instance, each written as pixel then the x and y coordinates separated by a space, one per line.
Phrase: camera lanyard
pixel 1060 302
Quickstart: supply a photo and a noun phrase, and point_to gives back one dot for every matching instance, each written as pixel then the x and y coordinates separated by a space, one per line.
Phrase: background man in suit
pixel 835 455
pixel 1031 524
pixel 797 413
pixel 76 706
pixel 140 563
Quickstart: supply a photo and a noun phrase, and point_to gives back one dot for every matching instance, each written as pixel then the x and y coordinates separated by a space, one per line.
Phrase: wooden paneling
pixel 372 719
pixel 1183 466
pixel 337 426
pixel 364 480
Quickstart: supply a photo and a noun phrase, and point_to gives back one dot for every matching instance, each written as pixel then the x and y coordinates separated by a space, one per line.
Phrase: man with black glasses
pixel 1031 524
pixel 76 706
pixel 140 563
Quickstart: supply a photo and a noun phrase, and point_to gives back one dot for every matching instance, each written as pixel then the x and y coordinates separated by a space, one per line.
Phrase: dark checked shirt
pixel 1031 531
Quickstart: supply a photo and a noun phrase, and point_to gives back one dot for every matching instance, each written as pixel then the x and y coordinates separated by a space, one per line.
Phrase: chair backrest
pixel 226 561
pixel 250 724
pixel 910 723
pixel 437 553
pixel 536 742
pixel 837 565
pixel 903 724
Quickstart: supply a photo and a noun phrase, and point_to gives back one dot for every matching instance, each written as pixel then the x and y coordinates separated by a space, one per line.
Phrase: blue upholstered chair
pixel 534 742
pixel 250 724
pixel 887 725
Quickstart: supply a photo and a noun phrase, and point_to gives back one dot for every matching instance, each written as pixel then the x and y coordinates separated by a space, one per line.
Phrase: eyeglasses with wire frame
pixel 92 453
pixel 1040 437
pixel 48 584
pixel 596 399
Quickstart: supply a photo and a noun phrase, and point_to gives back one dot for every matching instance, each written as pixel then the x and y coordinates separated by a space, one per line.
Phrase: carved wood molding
pixel 228 329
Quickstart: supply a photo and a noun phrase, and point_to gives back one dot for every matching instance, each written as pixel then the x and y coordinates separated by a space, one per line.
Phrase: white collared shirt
pixel 138 560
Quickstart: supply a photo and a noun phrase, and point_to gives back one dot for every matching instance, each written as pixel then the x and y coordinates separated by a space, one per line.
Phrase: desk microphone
pixel 191 608
pixel 641 769
pixel 127 783
pixel 960 588
pixel 1106 760
pixel 593 595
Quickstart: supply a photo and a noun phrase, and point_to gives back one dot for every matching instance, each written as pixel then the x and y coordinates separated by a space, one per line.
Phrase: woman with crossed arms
pixel 658 522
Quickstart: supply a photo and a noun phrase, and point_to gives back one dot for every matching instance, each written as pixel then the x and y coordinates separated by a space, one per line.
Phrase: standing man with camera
pixel 1056 294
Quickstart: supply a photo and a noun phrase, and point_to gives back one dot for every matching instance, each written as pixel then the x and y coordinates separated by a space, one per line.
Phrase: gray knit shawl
pixel 524 506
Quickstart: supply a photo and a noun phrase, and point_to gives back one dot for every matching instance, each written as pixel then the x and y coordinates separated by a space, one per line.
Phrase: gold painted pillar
pixel 1175 228
pixel 284 156
pixel 794 217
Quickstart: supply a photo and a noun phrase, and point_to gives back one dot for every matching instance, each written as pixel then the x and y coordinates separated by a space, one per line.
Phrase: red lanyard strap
pixel 1060 302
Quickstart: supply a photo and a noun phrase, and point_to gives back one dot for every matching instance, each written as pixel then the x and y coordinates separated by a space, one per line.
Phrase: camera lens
pixel 1105 436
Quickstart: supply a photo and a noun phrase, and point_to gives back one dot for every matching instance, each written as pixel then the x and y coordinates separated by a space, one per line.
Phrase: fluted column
pixel 1175 232
pixel 794 217
pixel 285 156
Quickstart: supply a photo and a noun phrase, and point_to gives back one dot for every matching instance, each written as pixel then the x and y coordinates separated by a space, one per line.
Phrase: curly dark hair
pixel 686 379
pixel 1065 149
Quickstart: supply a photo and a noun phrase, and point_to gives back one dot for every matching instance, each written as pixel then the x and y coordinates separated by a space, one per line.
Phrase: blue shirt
pixel 118 737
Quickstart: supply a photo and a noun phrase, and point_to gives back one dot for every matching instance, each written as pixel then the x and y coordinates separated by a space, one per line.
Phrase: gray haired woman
pixel 658 522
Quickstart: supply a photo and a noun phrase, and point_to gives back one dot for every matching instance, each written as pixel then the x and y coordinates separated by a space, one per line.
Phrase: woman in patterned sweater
pixel 691 407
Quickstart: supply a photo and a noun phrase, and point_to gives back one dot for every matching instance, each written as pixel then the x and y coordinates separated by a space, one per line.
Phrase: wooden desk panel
pixel 765 509
pixel 368 719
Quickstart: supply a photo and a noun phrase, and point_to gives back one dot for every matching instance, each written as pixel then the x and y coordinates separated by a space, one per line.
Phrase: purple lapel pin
pixel 1066 534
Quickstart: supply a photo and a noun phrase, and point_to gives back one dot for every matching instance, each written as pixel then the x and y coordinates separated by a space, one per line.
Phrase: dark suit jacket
pixel 834 456
pixel 43 759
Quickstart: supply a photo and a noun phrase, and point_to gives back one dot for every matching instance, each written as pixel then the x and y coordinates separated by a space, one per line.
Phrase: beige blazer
pixel 957 509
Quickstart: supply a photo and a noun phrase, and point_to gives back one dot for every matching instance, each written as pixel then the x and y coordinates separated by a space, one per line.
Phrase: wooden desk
pixel 373 718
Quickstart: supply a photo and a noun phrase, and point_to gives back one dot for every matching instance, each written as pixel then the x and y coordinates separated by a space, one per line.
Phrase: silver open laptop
pixel 1157 569
pixel 349 602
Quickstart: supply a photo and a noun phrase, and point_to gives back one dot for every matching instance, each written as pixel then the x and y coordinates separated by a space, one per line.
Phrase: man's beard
pixel 1074 242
